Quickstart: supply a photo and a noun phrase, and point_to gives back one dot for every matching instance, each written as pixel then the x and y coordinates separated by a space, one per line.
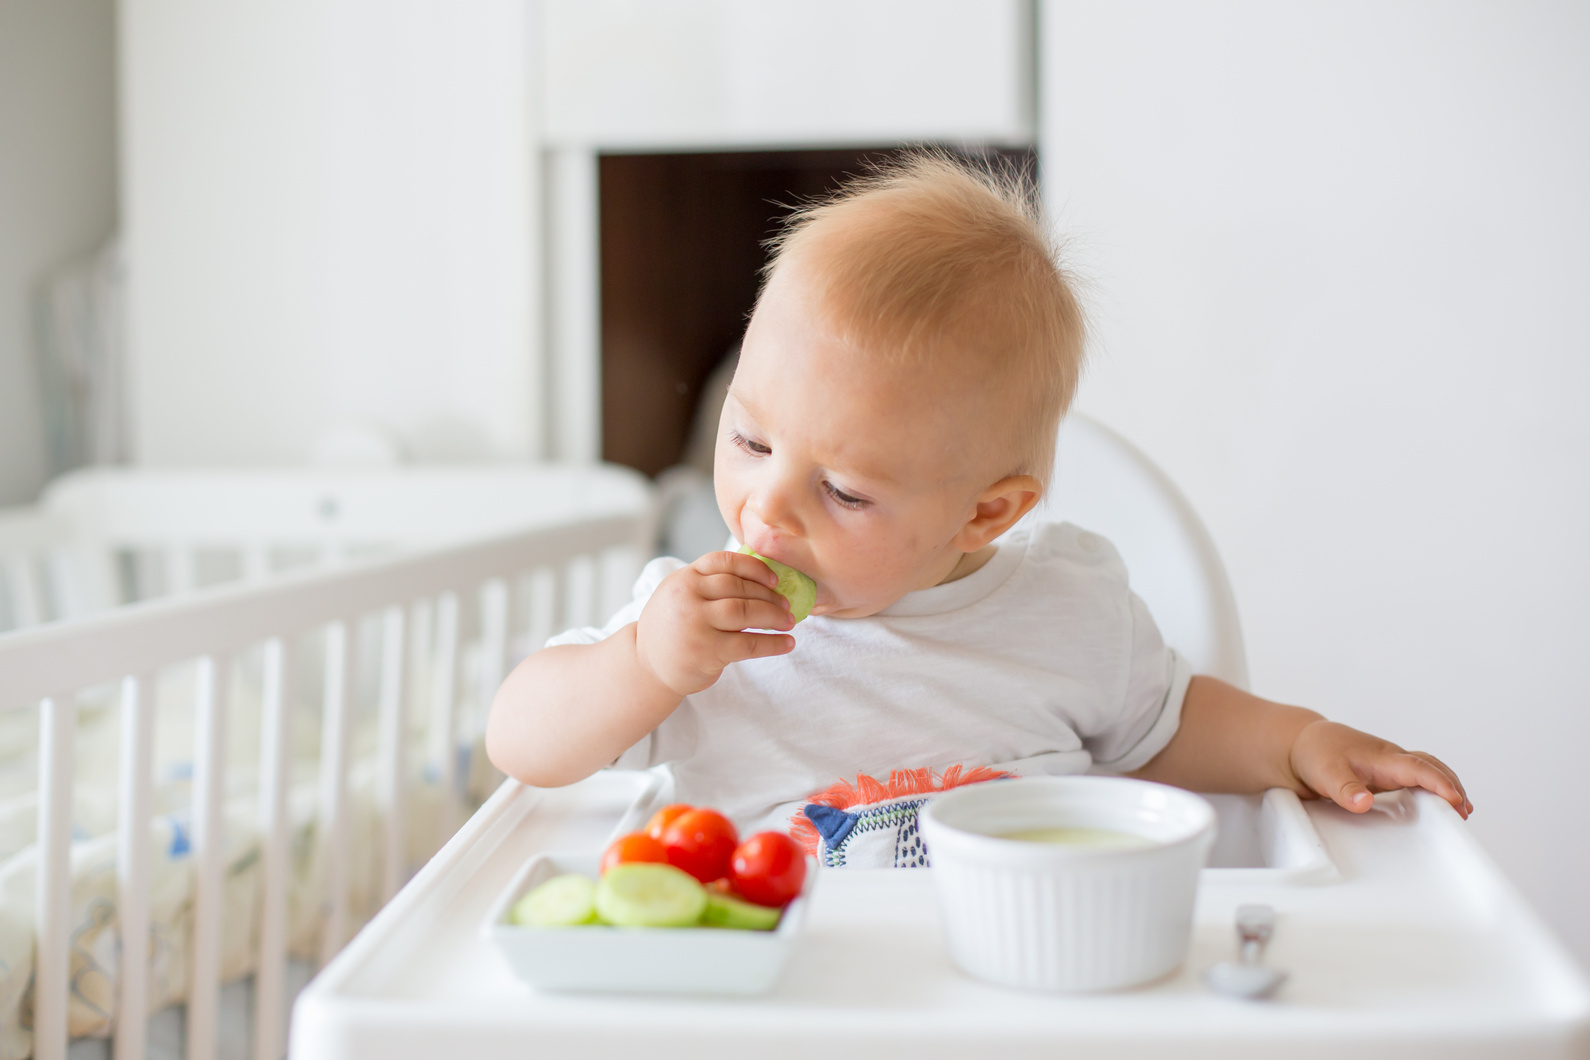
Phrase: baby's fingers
pixel 737 647
pixel 1446 770
pixel 738 564
pixel 1416 770
pixel 730 586
pixel 1336 781
pixel 737 613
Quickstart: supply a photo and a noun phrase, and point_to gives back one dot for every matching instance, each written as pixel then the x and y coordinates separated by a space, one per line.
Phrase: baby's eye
pixel 749 446
pixel 842 497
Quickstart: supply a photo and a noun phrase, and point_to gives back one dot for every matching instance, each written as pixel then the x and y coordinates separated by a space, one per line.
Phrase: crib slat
pixel 543 589
pixel 392 762
pixel 209 857
pixel 494 650
pixel 147 571
pixel 421 655
pixel 513 608
pixel 619 570
pixel 64 591
pixel 494 643
pixel 270 1016
pixel 255 561
pixel 557 610
pixel 132 861
pixel 179 569
pixel 27 598
pixel 53 890
pixel 581 597
pixel 568 594
pixel 443 734
pixel 606 589
pixel 332 827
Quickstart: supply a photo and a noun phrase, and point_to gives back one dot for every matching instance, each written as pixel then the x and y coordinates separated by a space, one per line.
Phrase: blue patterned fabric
pixel 879 835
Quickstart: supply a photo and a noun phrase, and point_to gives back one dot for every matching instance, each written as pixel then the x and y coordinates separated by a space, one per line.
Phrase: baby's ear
pixel 997 509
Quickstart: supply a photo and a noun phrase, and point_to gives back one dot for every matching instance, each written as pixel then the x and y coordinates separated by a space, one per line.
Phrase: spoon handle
pixel 1255 925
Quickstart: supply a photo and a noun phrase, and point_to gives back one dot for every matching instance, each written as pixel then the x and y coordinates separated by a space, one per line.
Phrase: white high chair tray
pixel 1420 947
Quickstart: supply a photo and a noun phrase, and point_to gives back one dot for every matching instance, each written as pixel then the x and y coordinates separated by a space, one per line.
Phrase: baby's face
pixel 857 474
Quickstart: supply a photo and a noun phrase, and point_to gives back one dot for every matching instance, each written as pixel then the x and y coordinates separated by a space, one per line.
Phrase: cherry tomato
pixel 701 842
pixel 664 817
pixel 637 846
pixel 768 869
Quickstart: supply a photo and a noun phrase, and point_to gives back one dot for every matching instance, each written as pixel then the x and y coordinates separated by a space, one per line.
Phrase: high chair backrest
pixel 1105 484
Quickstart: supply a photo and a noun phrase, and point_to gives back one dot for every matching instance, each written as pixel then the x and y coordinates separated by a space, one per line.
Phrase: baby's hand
pixel 1347 766
pixel 694 624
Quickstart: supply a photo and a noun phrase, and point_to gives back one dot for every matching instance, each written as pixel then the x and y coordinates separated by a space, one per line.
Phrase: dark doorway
pixel 681 250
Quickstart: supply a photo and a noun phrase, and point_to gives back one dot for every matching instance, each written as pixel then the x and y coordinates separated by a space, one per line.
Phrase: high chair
pixel 1104 483
pixel 1401 937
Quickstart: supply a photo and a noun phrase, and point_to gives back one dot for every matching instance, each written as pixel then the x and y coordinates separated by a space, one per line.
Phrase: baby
pixel 892 416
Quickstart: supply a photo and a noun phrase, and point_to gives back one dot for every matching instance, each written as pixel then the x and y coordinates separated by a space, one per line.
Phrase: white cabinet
pixel 643 75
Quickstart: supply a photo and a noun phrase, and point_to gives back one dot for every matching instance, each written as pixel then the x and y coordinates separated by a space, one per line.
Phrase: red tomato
pixel 664 817
pixel 701 842
pixel 637 846
pixel 768 869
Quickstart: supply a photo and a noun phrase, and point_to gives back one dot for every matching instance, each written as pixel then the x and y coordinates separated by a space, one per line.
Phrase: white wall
pixel 57 190
pixel 329 218
pixel 1338 255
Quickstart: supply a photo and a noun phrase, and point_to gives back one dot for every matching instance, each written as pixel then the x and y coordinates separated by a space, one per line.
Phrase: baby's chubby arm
pixel 1235 742
pixel 569 710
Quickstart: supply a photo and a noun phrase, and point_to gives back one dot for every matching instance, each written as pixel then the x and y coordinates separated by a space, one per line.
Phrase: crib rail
pixel 556 575
pixel 103 537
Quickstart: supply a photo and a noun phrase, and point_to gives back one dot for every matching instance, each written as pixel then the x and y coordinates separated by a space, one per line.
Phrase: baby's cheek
pixel 879 566
pixel 904 548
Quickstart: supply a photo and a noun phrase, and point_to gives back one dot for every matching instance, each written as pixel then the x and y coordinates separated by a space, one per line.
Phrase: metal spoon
pixel 1248 977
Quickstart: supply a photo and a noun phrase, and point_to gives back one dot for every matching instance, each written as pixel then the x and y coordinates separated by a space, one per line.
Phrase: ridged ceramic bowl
pixel 1061 917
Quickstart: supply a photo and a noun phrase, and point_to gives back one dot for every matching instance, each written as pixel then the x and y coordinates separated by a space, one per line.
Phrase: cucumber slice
pixel 797 588
pixel 726 911
pixel 649 894
pixel 562 901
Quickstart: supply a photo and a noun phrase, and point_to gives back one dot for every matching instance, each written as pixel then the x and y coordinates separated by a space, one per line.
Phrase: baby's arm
pixel 1235 742
pixel 569 710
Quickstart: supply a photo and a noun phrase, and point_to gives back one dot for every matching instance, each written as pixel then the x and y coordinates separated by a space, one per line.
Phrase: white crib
pixel 472 568
pixel 109 536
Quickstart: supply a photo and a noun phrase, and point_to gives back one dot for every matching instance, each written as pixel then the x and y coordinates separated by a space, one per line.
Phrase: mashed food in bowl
pixel 1096 838
pixel 1096 892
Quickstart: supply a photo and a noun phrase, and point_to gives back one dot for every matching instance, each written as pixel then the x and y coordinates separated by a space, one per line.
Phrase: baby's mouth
pixel 798 588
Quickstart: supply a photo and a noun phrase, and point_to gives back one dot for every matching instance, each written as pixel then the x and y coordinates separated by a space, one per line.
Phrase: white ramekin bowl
pixel 1061 917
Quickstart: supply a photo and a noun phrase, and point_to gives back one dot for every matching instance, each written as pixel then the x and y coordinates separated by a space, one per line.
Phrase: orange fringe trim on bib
pixel 842 795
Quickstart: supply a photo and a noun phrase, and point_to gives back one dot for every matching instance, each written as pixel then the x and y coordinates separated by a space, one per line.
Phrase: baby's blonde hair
pixel 928 255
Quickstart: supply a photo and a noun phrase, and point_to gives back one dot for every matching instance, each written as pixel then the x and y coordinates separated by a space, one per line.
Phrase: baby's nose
pixel 775 511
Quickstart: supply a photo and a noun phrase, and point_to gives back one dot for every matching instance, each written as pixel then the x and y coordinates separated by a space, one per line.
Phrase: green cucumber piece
pixel 797 588
pixel 562 901
pixel 649 894
pixel 727 911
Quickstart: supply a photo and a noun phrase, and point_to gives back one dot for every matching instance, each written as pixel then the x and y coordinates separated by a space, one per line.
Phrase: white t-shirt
pixel 1042 661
